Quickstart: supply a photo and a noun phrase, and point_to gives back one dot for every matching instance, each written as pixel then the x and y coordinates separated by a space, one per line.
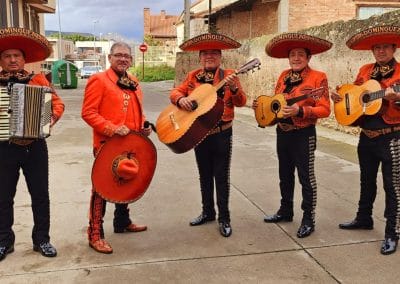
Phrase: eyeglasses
pixel 122 55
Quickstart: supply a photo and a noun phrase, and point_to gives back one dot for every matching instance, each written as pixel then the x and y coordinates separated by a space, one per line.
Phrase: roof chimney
pixel 146 21
pixel 162 14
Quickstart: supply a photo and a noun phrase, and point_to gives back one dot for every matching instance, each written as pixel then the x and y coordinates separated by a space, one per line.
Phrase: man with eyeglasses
pixel 112 106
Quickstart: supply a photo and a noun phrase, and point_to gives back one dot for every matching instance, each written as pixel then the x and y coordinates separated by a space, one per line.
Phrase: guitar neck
pixel 222 82
pixel 379 94
pixel 296 99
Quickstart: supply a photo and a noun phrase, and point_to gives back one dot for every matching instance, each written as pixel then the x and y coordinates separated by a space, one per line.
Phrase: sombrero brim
pixel 366 39
pixel 103 179
pixel 280 46
pixel 209 41
pixel 34 46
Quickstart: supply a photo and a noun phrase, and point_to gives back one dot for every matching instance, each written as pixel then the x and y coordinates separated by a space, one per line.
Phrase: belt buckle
pixel 371 133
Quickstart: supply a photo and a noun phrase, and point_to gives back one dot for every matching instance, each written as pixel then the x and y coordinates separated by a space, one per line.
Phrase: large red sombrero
pixel 365 39
pixel 34 46
pixel 209 41
pixel 124 168
pixel 280 45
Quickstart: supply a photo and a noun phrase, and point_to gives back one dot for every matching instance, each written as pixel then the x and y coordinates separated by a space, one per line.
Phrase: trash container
pixel 67 75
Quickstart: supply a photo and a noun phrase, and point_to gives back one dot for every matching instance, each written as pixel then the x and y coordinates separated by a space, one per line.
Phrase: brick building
pixel 161 28
pixel 245 19
pixel 26 14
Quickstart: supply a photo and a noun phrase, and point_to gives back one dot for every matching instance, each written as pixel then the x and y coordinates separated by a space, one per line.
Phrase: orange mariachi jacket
pixel 57 104
pixel 107 107
pixel 312 108
pixel 390 111
pixel 231 100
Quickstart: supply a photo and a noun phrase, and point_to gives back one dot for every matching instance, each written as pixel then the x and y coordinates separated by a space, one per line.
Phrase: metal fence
pixel 155 55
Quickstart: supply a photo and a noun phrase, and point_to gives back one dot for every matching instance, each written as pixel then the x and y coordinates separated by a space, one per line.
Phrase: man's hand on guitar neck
pixel 335 97
pixel 231 81
pixel 390 94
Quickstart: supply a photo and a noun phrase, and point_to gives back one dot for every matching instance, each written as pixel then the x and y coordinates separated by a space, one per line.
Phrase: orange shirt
pixel 231 100
pixel 57 104
pixel 107 107
pixel 390 111
pixel 312 108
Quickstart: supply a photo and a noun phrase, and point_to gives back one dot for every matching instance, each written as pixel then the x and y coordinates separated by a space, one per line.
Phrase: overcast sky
pixel 124 17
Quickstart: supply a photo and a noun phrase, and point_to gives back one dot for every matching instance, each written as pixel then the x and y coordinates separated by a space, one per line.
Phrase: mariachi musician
pixel 379 141
pixel 213 154
pixel 112 106
pixel 17 47
pixel 296 133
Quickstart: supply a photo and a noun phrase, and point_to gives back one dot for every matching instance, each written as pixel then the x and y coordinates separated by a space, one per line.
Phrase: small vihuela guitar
pixel 182 130
pixel 365 99
pixel 270 108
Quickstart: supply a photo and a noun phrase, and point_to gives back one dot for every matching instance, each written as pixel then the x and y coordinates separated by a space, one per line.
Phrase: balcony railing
pixel 36 1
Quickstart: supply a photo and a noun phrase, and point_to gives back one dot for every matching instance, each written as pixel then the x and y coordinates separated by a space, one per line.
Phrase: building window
pixel 3 14
pixel 365 12
pixel 14 13
pixel 25 13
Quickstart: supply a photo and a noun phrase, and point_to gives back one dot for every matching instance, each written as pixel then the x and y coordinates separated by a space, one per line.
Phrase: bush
pixel 154 73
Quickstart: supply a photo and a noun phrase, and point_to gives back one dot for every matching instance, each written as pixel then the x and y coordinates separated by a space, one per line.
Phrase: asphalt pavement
pixel 171 251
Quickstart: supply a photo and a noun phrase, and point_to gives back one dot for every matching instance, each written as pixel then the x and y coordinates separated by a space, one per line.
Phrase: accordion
pixel 25 111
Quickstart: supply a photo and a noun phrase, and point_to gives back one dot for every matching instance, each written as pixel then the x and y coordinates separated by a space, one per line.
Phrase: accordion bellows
pixel 25 112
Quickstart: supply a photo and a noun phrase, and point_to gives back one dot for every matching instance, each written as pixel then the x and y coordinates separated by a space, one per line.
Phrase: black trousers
pixel 384 150
pixel 296 151
pixel 213 156
pixel 33 160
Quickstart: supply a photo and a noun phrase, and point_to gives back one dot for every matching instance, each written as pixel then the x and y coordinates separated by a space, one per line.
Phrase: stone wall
pixel 340 63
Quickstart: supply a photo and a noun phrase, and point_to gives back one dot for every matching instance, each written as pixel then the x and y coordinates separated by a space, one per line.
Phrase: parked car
pixel 87 71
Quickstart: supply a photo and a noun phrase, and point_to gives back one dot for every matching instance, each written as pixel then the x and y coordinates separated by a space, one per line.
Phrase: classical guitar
pixel 182 130
pixel 365 99
pixel 269 109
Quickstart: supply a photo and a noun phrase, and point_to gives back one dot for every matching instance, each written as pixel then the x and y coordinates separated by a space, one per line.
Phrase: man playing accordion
pixel 17 47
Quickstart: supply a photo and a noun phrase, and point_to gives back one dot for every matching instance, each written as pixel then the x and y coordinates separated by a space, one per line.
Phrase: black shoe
pixel 203 218
pixel 356 224
pixel 5 250
pixel 276 218
pixel 305 231
pixel 46 249
pixel 389 246
pixel 225 229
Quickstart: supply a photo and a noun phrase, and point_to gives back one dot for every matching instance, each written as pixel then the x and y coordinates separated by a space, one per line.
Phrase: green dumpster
pixel 67 75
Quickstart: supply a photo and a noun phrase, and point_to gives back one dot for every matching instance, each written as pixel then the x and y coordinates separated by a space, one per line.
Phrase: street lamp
pixel 94 35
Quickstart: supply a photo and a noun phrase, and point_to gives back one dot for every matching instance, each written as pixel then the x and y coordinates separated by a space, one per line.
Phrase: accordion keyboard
pixel 4 114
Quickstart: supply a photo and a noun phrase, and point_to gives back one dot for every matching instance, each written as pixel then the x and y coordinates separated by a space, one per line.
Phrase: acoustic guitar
pixel 365 99
pixel 182 130
pixel 270 108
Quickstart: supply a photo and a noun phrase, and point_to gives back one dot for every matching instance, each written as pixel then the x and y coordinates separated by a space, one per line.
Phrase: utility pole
pixel 209 15
pixel 60 55
pixel 186 21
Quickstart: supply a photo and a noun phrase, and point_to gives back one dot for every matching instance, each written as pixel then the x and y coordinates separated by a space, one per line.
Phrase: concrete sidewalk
pixel 173 252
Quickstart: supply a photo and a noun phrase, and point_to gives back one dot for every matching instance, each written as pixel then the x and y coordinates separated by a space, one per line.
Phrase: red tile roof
pixel 163 25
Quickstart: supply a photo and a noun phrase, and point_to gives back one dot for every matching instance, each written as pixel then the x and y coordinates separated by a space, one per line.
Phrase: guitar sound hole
pixel 194 105
pixel 275 106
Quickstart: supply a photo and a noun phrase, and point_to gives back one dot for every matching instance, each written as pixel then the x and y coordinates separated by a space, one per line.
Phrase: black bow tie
pixel 383 71
pixel 291 80
pixel 124 82
pixel 205 77
pixel 22 77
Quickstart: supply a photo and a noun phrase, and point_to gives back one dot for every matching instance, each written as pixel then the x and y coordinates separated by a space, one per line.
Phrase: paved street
pixel 171 251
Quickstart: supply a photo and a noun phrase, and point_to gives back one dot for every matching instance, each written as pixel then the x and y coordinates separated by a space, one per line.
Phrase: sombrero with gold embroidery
pixel 209 41
pixel 280 45
pixel 365 39
pixel 34 46
pixel 124 168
